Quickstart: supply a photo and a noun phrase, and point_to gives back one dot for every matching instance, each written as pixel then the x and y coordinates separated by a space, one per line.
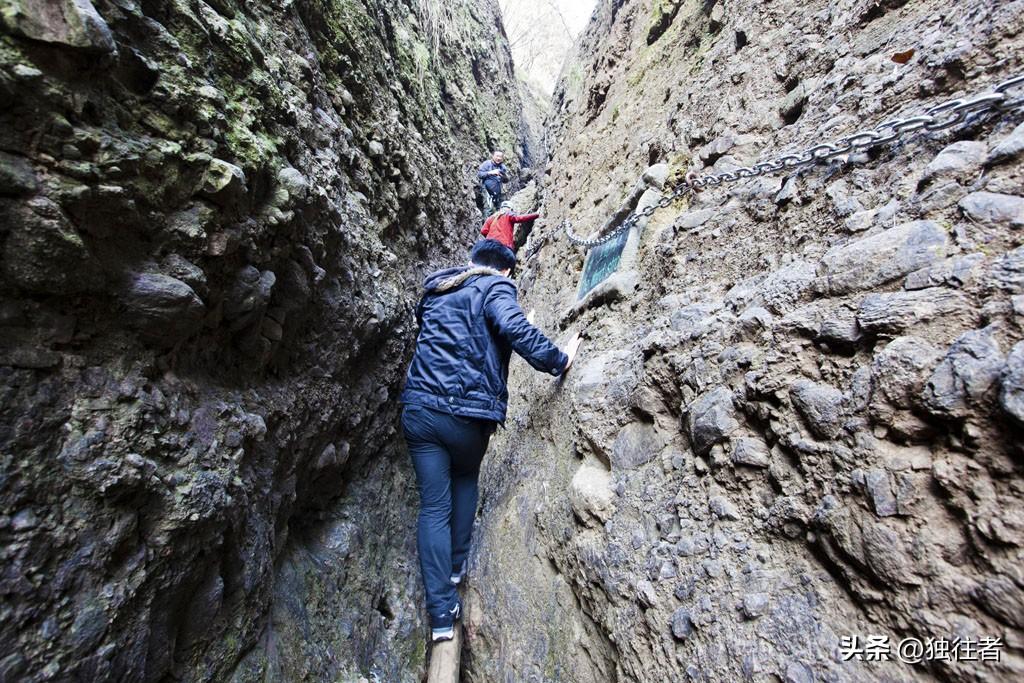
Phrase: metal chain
pixel 940 117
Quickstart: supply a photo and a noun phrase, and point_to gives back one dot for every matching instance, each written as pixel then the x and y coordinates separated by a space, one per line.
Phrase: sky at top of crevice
pixel 542 34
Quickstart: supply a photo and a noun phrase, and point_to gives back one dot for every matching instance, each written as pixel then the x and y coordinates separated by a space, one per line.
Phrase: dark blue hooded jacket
pixel 470 322
pixel 492 182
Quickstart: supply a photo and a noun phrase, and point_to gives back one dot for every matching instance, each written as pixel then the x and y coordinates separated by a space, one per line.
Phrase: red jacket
pixel 499 226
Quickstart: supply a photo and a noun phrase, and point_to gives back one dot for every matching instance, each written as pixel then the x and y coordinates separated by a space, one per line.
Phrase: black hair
pixel 493 254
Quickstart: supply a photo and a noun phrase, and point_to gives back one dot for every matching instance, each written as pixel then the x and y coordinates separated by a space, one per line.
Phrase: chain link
pixel 937 118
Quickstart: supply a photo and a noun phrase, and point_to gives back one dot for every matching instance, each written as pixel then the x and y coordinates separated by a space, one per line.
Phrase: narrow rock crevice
pixel 797 415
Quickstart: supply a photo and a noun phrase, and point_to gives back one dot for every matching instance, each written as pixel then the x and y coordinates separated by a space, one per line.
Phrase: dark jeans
pixel 496 198
pixel 446 452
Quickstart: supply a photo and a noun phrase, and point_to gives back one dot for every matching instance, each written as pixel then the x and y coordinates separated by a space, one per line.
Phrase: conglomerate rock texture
pixel 797 414
pixel 214 216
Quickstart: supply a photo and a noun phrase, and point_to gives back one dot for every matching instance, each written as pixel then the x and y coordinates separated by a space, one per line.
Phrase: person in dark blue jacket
pixel 455 395
pixel 492 173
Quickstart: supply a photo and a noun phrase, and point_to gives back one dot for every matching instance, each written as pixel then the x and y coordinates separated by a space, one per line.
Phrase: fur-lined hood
pixel 452 278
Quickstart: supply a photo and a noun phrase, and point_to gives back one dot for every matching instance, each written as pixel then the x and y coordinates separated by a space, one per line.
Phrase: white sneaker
pixel 457 577
pixel 447 632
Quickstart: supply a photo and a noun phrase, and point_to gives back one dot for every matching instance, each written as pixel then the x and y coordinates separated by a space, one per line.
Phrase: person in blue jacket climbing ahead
pixel 492 174
pixel 455 395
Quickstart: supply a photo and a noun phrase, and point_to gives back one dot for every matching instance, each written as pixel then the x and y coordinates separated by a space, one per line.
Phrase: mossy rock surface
pixel 278 176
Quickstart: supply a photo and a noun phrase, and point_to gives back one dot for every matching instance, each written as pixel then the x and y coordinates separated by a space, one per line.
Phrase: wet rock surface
pixel 214 218
pixel 831 361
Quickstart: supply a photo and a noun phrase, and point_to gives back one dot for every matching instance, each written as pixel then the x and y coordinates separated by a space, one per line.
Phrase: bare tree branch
pixel 541 34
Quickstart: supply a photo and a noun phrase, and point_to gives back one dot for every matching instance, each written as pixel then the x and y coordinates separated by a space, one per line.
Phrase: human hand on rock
pixel 571 349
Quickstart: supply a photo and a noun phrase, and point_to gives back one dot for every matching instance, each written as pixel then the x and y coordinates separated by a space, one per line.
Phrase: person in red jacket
pixel 501 225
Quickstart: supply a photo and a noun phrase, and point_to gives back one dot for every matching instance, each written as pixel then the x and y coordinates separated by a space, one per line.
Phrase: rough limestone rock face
pixel 214 217
pixel 824 366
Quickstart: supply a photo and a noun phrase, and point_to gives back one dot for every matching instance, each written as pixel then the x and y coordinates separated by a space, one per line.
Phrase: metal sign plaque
pixel 601 262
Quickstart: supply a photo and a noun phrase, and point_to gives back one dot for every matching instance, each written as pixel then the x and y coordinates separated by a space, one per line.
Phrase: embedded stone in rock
pixel 894 312
pixel 821 407
pixel 249 294
pixel 786 287
pixel 223 183
pixel 880 258
pixel 646 593
pixel 961 160
pixel 1007 271
pixel 886 554
pixel 840 328
pixel 995 209
pixel 723 508
pixel 42 252
pixel 1004 598
pixel 202 609
pixel 716 149
pixel 711 419
pixel 682 624
pixel 606 382
pixel 636 444
pixel 790 191
pixel 941 194
pixel 181 268
pixel 965 376
pixel 798 672
pixel 163 307
pixel 1011 396
pixel 71 23
pixel 792 106
pixel 754 319
pixel 693 321
pixel 805 320
pixel 590 493
pixel 862 220
pixel 695 219
pixel 1009 147
pixel 900 369
pixel 16 176
pixel 879 487
pixel 755 605
pixel 293 182
pixel 656 175
pixel 844 203
pixel 751 452
pixel 953 272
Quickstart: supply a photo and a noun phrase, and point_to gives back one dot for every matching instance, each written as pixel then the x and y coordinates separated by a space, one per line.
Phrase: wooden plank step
pixel 445 659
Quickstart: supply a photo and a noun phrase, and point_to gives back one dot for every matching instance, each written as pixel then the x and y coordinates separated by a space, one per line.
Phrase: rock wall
pixel 214 216
pixel 797 414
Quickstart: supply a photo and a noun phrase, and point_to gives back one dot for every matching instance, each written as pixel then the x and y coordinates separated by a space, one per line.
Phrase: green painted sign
pixel 601 262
